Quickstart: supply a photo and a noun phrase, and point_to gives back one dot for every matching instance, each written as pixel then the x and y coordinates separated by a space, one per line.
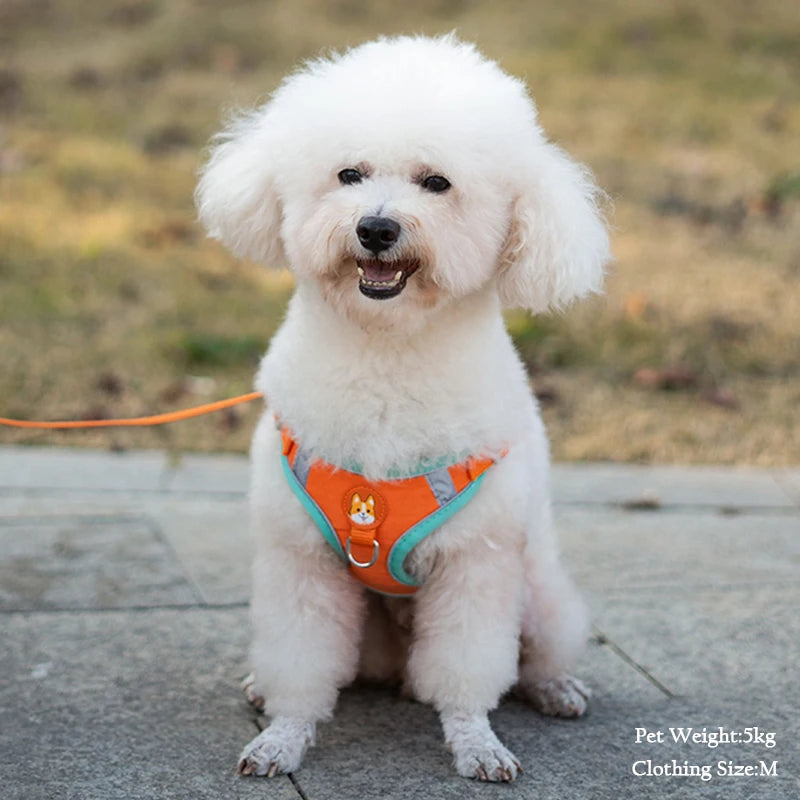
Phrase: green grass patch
pixel 218 350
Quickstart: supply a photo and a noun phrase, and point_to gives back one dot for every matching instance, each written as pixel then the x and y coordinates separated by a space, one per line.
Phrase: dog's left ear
pixel 557 245
pixel 236 196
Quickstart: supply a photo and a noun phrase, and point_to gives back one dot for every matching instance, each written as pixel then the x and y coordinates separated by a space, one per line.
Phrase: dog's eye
pixel 436 184
pixel 348 176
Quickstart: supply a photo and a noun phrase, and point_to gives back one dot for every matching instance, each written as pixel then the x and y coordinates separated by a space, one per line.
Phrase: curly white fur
pixel 387 383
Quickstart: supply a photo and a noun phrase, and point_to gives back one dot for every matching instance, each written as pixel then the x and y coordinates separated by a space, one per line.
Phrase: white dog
pixel 410 189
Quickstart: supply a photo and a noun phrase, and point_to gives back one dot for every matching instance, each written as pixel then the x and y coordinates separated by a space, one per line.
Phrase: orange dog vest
pixel 374 525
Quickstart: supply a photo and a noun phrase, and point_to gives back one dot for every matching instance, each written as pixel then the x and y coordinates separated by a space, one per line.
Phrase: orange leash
pixel 156 419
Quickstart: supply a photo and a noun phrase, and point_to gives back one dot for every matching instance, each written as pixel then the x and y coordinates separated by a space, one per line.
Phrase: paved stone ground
pixel 123 591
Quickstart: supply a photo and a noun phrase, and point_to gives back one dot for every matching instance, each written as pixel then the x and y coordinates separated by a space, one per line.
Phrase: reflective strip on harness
pixel 374 525
pixel 441 485
pixel 302 465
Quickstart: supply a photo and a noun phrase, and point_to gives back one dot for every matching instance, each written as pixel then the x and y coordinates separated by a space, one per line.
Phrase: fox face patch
pixel 362 512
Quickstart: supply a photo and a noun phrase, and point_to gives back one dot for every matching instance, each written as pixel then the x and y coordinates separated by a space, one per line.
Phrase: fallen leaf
pixel 167 138
pixel 86 78
pixel 647 501
pixel 95 412
pixel 175 391
pixel 231 419
pixel 111 384
pixel 169 233
pixel 727 329
pixel 724 398
pixel 636 304
pixel 10 89
pixel 666 378
pixel 546 394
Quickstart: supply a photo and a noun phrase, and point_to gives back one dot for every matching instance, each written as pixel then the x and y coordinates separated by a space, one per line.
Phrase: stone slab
pixel 212 541
pixel 600 764
pixel 62 469
pixel 207 538
pixel 670 485
pixel 732 658
pixel 609 549
pixel 89 716
pixel 381 745
pixel 72 562
pixel 217 474
pixel 699 610
pixel 125 706
pixel 70 469
pixel 29 503
pixel 595 757
pixel 613 551
pixel 726 644
pixel 789 480
pixel 130 471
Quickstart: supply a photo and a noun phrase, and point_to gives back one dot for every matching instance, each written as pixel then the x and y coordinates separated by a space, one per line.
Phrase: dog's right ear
pixel 236 196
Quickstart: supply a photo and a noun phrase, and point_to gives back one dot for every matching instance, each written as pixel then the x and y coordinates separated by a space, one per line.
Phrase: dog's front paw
pixel 487 762
pixel 563 696
pixel 477 752
pixel 278 749
pixel 254 697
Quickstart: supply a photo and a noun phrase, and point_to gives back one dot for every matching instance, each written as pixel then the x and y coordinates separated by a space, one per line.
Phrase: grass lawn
pixel 112 302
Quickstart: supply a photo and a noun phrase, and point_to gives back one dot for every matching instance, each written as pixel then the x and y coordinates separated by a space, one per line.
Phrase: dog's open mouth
pixel 381 280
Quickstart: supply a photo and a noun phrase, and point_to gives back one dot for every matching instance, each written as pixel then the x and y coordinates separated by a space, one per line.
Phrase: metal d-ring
pixel 363 564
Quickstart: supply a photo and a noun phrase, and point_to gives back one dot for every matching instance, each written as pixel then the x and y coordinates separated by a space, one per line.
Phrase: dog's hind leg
pixel 251 692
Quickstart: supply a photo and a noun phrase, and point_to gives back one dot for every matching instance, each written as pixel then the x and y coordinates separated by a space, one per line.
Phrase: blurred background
pixel 112 302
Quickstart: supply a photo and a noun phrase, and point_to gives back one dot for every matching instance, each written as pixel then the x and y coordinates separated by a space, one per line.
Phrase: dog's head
pixel 401 176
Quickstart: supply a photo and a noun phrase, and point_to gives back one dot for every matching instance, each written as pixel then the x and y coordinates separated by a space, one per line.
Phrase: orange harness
pixel 374 525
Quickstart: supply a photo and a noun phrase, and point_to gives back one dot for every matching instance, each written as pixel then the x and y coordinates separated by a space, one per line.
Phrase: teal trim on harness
pixel 404 544
pixel 310 505
pixel 415 534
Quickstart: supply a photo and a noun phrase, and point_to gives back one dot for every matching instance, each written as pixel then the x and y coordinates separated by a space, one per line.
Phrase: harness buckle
pixel 362 564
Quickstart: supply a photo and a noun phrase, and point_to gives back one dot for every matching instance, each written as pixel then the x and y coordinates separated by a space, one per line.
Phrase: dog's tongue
pixel 378 271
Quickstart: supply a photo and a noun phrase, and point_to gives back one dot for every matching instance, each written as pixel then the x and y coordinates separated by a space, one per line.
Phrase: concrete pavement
pixel 123 591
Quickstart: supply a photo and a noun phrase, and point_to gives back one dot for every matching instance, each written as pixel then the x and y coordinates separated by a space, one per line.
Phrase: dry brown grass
pixel 113 303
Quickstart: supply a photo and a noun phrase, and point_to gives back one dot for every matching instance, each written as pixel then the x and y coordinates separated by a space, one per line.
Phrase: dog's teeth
pixel 361 272
pixel 398 275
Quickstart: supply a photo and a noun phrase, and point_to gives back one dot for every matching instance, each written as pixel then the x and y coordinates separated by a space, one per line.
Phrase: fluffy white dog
pixel 410 189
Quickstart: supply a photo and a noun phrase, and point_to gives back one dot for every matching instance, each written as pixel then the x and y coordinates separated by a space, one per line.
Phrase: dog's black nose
pixel 377 233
